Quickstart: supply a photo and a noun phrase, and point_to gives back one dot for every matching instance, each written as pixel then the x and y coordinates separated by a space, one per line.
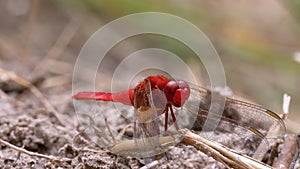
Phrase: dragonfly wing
pixel 239 120
pixel 257 117
pixel 246 114
pixel 233 134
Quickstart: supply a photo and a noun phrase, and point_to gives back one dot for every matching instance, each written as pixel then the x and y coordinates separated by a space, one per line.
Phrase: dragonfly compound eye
pixel 177 92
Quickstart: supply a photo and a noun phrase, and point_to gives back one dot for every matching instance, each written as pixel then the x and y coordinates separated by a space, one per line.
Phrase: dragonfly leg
pixel 167 157
pixel 173 117
pixel 166 118
pixel 134 130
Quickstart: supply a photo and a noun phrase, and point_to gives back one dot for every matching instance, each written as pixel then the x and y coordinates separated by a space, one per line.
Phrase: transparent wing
pixel 241 125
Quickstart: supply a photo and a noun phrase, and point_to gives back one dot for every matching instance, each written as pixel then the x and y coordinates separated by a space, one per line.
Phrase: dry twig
pixel 109 130
pixel 59 46
pixel 221 153
pixel 150 165
pixel 288 151
pixel 297 155
pixel 31 21
pixel 34 90
pixel 22 150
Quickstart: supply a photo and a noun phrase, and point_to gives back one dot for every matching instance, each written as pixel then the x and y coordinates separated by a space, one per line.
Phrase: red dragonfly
pixel 158 95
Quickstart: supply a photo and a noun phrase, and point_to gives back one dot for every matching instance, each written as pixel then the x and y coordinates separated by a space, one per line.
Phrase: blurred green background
pixel 258 41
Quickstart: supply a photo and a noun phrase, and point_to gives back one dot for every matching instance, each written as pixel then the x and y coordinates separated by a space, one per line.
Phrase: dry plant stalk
pixel 34 90
pixel 61 43
pixel 221 153
pixel 31 21
pixel 22 150
pixel 288 152
pixel 103 137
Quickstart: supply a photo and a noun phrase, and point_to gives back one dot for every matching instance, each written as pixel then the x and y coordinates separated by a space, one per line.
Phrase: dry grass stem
pixel 102 136
pixel 288 151
pixel 153 164
pixel 109 130
pixel 61 67
pixel 59 46
pixel 55 81
pixel 221 153
pixel 35 91
pixel 122 132
pixel 31 21
pixel 22 150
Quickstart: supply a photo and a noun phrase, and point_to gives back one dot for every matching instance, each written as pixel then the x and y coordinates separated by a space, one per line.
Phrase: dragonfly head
pixel 177 92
